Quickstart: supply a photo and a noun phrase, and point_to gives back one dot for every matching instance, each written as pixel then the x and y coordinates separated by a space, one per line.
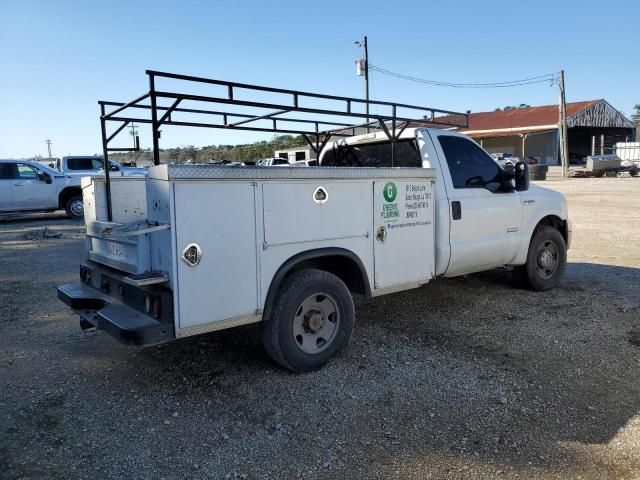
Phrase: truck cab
pixel 482 220
pixel 83 166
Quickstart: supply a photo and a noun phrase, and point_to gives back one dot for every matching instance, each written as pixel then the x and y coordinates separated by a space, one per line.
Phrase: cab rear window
pixel 84 163
pixel 79 164
pixel 376 154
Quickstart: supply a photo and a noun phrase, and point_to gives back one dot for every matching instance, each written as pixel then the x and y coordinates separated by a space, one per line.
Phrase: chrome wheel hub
pixel 77 207
pixel 315 323
pixel 546 259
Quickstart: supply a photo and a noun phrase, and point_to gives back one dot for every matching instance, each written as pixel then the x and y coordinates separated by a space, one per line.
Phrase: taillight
pixel 147 304
pixel 85 274
pixel 153 306
pixel 156 305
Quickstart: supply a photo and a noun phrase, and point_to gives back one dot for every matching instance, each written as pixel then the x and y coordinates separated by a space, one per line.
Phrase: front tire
pixel 75 208
pixel 546 260
pixel 311 320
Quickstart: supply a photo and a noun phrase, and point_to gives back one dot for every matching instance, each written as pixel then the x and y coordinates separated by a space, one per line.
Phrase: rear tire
pixel 75 208
pixel 311 320
pixel 546 261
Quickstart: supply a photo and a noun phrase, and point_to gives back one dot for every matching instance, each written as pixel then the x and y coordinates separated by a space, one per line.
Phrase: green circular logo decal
pixel 390 192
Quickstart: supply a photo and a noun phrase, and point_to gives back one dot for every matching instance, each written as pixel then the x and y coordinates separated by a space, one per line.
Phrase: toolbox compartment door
pixel 220 219
pixel 403 232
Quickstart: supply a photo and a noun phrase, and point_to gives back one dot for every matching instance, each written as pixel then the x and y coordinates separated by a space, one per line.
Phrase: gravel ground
pixel 463 378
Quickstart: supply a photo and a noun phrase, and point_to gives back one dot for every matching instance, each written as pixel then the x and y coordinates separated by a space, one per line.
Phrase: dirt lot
pixel 464 378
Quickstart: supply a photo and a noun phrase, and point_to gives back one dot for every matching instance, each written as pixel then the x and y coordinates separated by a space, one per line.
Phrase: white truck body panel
pixel 248 222
pixel 221 219
pixel 127 253
pixel 404 209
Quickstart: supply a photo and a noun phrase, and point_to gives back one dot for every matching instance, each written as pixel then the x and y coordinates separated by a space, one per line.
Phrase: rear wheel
pixel 546 260
pixel 75 208
pixel 311 320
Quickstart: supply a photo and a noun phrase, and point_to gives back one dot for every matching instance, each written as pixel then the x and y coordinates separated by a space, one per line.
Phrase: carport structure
pixel 594 126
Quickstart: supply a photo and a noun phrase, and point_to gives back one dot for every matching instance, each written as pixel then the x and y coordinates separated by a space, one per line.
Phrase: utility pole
pixel 134 134
pixel 562 128
pixel 48 142
pixel 134 130
pixel 364 43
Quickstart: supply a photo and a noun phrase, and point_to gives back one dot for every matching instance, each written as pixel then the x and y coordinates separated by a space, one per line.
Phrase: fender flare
pixel 521 256
pixel 66 193
pixel 314 254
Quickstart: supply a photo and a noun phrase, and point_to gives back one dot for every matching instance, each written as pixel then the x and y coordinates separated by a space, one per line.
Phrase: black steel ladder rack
pixel 343 120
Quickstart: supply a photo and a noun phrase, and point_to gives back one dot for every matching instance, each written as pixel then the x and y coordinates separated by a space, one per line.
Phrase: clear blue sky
pixel 58 58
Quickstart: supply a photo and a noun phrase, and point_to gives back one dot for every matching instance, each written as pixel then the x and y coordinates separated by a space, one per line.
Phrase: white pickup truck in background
pixel 197 248
pixel 83 166
pixel 29 186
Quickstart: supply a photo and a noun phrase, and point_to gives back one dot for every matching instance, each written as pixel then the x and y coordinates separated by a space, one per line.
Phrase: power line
pixel 550 78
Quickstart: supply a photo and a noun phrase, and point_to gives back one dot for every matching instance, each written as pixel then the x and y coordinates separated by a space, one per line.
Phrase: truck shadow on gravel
pixel 462 377
pixel 485 372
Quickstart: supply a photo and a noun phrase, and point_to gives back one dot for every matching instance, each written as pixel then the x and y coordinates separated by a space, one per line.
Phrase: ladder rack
pixel 316 117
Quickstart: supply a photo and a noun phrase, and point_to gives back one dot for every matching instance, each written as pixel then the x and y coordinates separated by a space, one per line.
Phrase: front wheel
pixel 311 320
pixel 75 208
pixel 546 260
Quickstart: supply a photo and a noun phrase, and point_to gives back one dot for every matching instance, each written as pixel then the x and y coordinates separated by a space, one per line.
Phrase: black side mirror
pixel 522 176
pixel 44 177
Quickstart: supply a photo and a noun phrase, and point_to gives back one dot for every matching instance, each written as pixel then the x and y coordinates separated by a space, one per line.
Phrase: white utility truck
pixel 29 186
pixel 192 249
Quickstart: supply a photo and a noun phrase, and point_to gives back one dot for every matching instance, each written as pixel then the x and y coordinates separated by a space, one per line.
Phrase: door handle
pixel 456 210
pixel 18 184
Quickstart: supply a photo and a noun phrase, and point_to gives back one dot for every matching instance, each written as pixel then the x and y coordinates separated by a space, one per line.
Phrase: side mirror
pixel 44 177
pixel 522 176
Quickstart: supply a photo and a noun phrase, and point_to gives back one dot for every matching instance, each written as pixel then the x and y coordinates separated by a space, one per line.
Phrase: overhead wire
pixel 546 78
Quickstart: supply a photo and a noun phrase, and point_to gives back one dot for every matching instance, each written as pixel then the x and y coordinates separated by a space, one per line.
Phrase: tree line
pixel 248 152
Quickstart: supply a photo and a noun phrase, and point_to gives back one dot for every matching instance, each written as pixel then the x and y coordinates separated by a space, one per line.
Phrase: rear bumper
pixel 124 323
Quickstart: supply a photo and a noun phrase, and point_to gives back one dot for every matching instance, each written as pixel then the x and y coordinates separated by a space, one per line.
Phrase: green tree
pixel 635 117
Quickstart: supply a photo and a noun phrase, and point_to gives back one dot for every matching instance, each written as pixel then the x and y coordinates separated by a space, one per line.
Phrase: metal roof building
pixel 594 126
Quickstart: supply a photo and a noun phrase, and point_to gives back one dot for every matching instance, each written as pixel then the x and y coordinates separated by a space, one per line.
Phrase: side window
pixel 8 171
pixel 97 164
pixel 281 161
pixel 469 165
pixel 26 172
